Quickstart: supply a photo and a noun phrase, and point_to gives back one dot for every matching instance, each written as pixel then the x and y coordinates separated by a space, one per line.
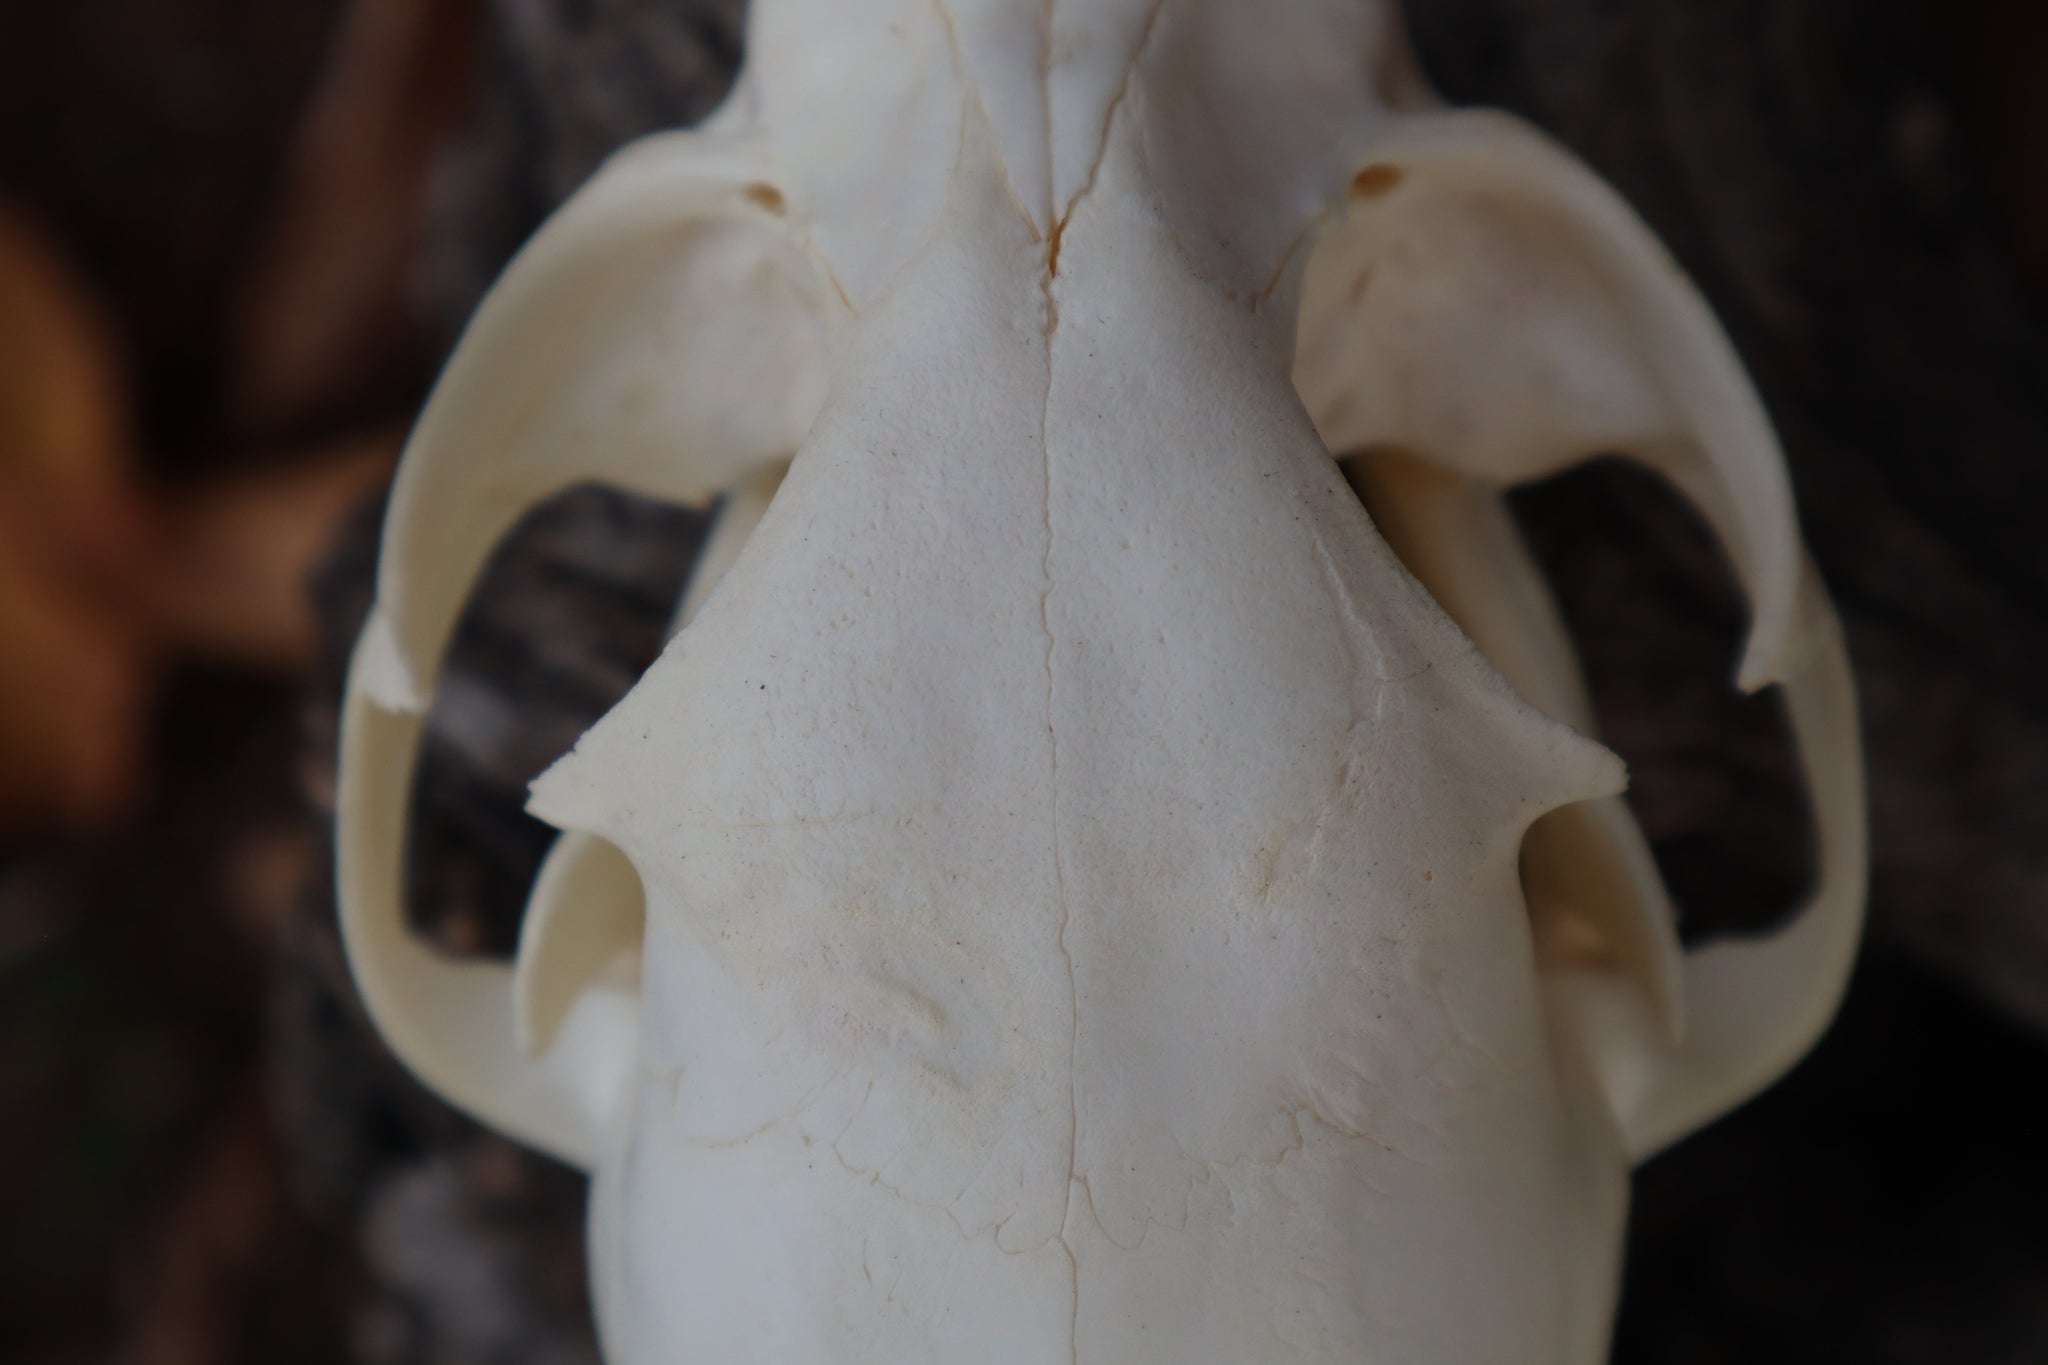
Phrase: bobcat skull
pixel 1092 901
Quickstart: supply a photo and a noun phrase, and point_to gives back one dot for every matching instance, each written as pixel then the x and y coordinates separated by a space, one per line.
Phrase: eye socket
pixel 571 608
pixel 1658 619
pixel 1655 618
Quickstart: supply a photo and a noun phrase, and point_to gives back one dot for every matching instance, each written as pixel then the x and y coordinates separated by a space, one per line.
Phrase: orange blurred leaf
pixel 73 659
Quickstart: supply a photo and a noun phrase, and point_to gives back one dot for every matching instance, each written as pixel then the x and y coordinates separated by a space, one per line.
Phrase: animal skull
pixel 1092 902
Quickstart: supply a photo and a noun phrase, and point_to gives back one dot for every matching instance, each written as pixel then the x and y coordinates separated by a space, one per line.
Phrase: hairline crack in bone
pixel 1069 892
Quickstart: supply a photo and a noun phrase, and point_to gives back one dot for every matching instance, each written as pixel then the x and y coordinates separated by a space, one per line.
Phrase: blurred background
pixel 236 238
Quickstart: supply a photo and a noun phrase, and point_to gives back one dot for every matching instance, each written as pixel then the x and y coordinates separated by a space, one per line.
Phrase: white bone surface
pixel 1076 871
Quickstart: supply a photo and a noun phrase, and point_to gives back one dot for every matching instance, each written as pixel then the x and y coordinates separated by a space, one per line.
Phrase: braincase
pixel 1238 832
pixel 934 975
